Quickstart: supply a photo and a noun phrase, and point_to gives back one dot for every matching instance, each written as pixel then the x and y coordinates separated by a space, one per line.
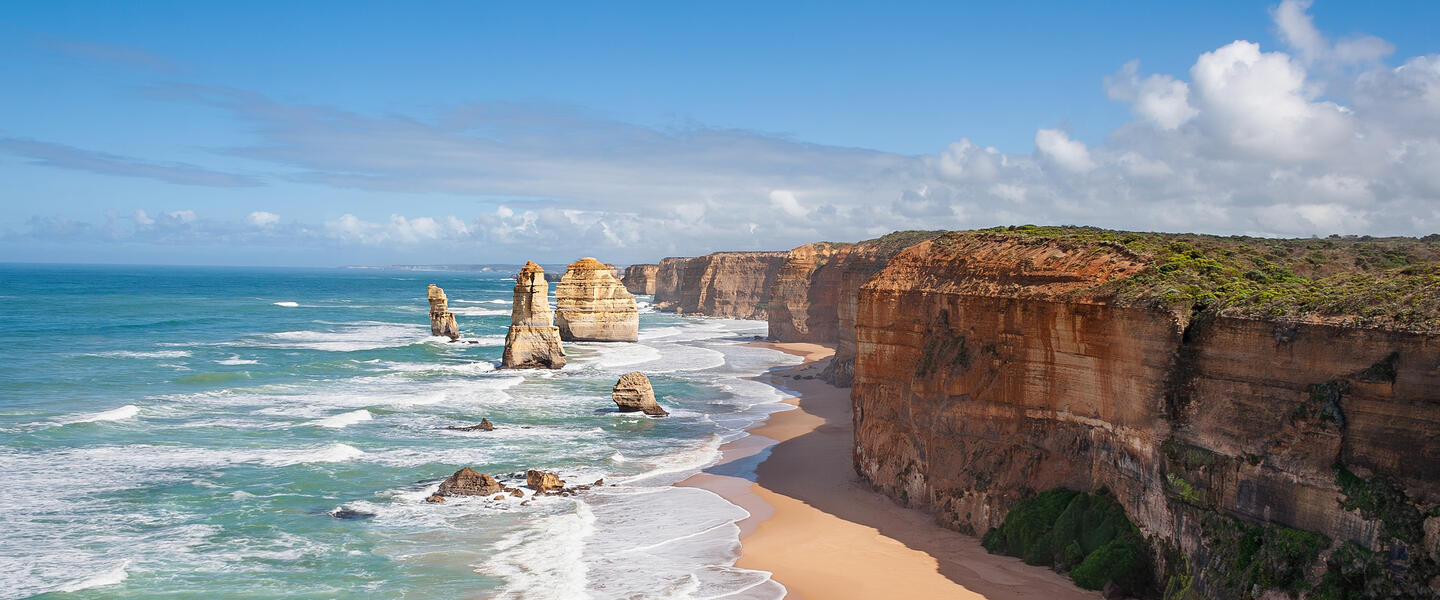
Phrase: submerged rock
pixel 533 341
pixel 467 482
pixel 442 321
pixel 543 481
pixel 593 306
pixel 633 393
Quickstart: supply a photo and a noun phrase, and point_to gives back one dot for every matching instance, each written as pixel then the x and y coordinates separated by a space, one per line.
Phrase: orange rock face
pixel 640 279
pixel 442 321
pixel 983 369
pixel 591 305
pixel 533 340
pixel 734 285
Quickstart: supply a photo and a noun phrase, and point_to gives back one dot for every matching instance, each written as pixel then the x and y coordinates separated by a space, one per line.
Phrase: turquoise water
pixel 180 432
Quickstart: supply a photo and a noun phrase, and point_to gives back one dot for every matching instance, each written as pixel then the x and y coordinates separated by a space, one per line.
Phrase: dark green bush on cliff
pixel 1247 556
pixel 1087 535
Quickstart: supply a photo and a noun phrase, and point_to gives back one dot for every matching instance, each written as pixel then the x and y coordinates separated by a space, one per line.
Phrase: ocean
pixel 194 432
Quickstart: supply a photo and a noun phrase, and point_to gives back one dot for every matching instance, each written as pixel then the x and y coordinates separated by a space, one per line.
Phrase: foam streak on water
pixel 281 439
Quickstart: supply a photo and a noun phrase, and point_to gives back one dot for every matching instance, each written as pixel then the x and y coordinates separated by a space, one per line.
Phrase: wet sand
pixel 825 535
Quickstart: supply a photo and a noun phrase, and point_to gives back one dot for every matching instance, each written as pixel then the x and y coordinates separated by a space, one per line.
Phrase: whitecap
pixel 545 560
pixel 343 420
pixel 101 579
pixel 236 360
pixel 150 354
pixel 114 414
pixel 287 304
pixel 327 454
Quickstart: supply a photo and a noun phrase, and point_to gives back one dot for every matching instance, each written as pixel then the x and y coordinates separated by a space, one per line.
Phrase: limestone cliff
pixel 815 293
pixel 991 365
pixel 640 279
pixel 734 285
pixel 591 305
pixel 442 321
pixel 533 340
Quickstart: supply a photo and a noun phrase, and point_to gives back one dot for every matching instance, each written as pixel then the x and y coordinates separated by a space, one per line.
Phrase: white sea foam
pixel 343 420
pixel 349 338
pixel 683 462
pixel 476 311
pixel 114 414
pixel 236 360
pixel 545 560
pixel 109 577
pixel 328 454
pixel 624 355
pixel 149 354
pixel 286 304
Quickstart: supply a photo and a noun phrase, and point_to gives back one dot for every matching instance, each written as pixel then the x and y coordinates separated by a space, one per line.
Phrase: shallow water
pixel 243 433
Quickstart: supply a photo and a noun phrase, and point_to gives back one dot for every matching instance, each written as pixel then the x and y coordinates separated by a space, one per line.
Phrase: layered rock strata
pixel 591 305
pixel 633 393
pixel 442 321
pixel 733 285
pixel 640 279
pixel 988 366
pixel 533 341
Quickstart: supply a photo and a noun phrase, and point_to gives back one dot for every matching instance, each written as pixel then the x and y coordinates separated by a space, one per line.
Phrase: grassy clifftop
pixel 1391 283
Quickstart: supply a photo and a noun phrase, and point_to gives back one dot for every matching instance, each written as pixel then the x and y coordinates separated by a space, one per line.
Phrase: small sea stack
pixel 633 393
pixel 533 341
pixel 442 321
pixel 592 305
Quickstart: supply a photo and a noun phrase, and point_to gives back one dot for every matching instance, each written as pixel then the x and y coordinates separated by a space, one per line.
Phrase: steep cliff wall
pixel 815 293
pixel 640 279
pixel 989 366
pixel 735 285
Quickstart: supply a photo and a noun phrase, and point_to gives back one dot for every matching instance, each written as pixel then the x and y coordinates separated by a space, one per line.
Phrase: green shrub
pixel 1087 534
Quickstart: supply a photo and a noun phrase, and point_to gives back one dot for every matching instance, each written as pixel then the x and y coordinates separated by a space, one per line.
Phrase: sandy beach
pixel 825 535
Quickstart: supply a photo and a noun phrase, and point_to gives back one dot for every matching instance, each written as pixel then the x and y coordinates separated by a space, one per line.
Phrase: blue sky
pixel 324 133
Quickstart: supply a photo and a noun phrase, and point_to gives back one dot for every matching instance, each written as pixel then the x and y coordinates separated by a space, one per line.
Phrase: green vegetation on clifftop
pixel 1357 281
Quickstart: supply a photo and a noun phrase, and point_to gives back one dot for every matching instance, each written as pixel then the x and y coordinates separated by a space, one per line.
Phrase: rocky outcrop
pixel 543 481
pixel 591 305
pixel 468 482
pixel 733 285
pixel 640 279
pixel 987 366
pixel 633 393
pixel 533 341
pixel 483 425
pixel 442 321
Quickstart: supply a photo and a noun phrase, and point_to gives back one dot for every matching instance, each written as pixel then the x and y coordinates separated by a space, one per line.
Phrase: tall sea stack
pixel 533 341
pixel 442 321
pixel 593 306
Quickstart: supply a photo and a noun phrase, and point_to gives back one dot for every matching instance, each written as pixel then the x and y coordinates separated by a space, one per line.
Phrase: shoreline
pixel 824 534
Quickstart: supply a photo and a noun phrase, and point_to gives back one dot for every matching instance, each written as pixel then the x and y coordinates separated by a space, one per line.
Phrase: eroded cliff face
pixel 640 279
pixel 733 285
pixel 591 305
pixel 987 367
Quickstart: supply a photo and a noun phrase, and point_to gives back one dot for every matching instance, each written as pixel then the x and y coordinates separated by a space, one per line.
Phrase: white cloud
pixel 1259 103
pixel 1159 99
pixel 1316 137
pixel 261 218
pixel 785 200
pixel 1069 154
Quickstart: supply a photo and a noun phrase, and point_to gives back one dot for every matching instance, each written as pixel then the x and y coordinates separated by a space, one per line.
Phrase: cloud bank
pixel 1321 136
